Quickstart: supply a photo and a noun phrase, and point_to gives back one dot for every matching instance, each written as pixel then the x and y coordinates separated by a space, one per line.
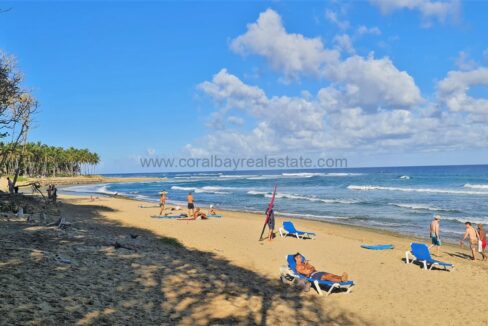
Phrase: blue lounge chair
pixel 289 228
pixel 292 271
pixel 420 252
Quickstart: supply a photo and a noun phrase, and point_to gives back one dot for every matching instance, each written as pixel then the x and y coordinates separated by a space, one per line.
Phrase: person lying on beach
pixel 434 233
pixel 162 202
pixel 306 269
pixel 482 234
pixel 473 239
pixel 199 214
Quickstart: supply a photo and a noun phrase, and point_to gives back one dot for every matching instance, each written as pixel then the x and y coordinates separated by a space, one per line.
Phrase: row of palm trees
pixel 37 159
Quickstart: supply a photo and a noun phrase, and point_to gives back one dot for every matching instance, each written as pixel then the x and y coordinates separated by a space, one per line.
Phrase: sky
pixel 381 83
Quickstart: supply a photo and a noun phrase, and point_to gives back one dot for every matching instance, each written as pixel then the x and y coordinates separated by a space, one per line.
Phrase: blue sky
pixel 381 83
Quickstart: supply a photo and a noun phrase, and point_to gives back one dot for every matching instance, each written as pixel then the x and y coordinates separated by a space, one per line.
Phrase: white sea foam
pixel 405 177
pixel 302 174
pixel 237 176
pixel 310 174
pixel 265 177
pixel 464 219
pixel 343 174
pixel 312 216
pixel 90 189
pixel 421 207
pixel 425 190
pixel 206 189
pixel 301 197
pixel 476 186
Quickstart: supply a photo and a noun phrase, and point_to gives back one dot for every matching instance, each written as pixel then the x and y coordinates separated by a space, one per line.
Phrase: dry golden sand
pixel 221 274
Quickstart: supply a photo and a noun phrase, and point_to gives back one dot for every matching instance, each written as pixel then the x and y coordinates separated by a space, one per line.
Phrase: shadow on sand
pixel 77 276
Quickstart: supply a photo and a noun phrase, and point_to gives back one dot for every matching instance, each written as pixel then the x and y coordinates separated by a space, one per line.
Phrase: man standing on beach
pixel 191 205
pixel 434 233
pixel 482 235
pixel 162 202
pixel 473 239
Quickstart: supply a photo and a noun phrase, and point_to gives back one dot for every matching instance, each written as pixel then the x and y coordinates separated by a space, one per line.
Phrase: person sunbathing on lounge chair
pixel 306 269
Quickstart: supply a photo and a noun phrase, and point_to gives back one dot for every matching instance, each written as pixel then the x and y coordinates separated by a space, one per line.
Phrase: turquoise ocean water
pixel 400 199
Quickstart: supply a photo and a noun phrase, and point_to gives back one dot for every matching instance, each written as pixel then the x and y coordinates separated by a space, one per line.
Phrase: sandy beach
pixel 217 272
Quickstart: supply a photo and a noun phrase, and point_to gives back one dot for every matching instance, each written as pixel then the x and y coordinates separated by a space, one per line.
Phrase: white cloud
pixel 229 90
pixel 485 55
pixel 293 54
pixel 331 16
pixel 367 104
pixel 369 81
pixel 375 83
pixel 463 62
pixel 344 43
pixel 362 30
pixel 429 9
pixel 453 92
pixel 330 121
pixel 237 121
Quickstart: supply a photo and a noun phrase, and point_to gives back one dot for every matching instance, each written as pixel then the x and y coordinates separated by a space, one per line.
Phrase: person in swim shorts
pixel 434 233
pixel 191 205
pixel 473 236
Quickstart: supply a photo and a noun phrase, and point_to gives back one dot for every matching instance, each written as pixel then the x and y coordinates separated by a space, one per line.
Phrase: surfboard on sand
pixel 378 247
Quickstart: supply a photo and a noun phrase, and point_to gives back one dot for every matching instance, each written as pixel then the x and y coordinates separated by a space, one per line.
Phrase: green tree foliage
pixel 43 160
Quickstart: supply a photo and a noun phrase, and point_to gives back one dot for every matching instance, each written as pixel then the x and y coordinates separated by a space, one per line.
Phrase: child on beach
pixel 482 245
pixel 434 233
pixel 473 236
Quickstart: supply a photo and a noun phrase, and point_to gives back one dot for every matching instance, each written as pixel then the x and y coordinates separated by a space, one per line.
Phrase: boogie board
pixel 378 247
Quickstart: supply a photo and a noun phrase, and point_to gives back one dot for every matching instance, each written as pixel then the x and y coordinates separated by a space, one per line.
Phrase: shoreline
pixel 413 238
pixel 87 180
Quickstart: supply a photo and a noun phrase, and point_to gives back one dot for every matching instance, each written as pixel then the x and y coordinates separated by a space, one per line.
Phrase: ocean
pixel 399 199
